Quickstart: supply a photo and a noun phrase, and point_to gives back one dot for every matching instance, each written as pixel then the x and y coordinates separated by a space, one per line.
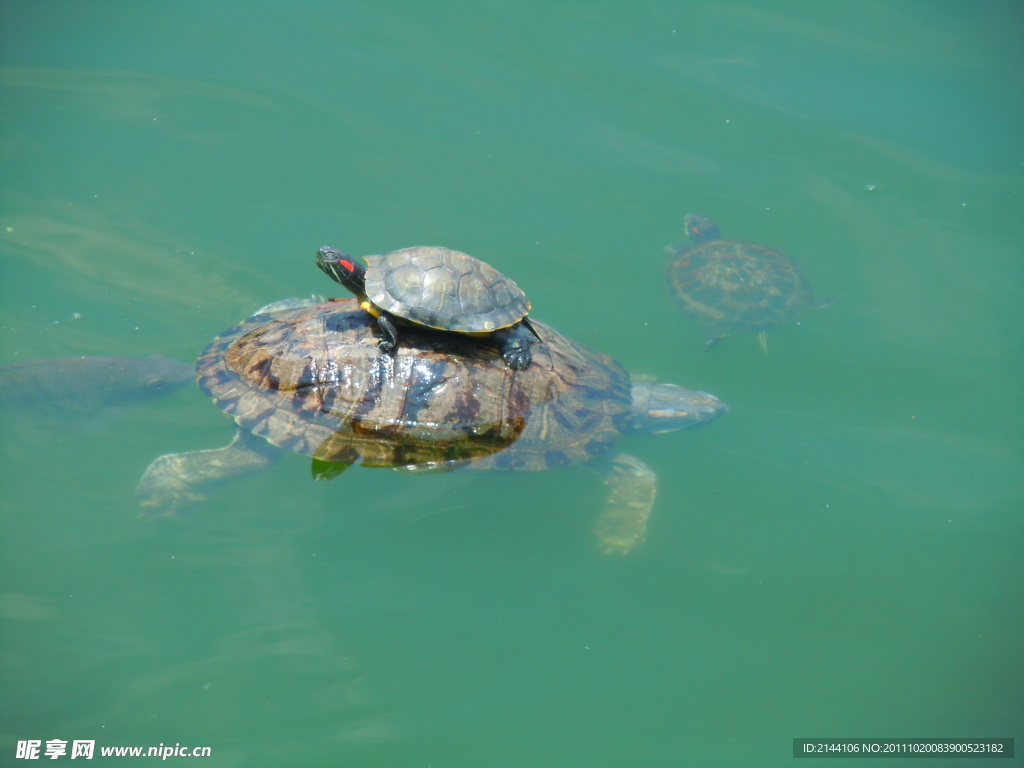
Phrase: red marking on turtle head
pixel 347 265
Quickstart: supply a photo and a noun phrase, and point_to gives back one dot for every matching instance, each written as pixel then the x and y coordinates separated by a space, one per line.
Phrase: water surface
pixel 839 556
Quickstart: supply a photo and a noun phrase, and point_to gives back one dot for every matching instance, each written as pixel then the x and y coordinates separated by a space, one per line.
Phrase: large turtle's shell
pixel 444 289
pixel 732 285
pixel 315 381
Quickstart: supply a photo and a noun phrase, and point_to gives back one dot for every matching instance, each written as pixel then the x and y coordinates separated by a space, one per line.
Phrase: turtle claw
pixel 514 344
pixel 389 340
pixel 517 359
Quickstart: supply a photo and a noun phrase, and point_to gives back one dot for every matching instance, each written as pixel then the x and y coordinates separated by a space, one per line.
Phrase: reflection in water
pixel 913 468
pixel 118 261
pixel 929 469
pixel 124 94
pixel 266 666
pixel 16 606
pixel 637 150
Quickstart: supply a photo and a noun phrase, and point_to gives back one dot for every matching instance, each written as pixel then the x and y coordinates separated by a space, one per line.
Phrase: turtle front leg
pixel 632 487
pixel 514 343
pixel 387 327
pixel 711 337
pixel 177 480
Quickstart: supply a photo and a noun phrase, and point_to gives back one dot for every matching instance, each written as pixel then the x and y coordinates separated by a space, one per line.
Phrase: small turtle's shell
pixel 732 285
pixel 444 289
pixel 315 381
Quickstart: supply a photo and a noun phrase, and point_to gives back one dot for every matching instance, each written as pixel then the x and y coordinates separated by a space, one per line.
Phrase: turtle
pixel 733 285
pixel 313 380
pixel 88 383
pixel 438 288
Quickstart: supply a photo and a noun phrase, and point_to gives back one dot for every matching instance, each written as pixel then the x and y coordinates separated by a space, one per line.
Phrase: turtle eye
pixel 156 384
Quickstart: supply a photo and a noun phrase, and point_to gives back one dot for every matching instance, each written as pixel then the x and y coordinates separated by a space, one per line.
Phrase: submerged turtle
pixel 732 285
pixel 88 383
pixel 315 381
pixel 438 288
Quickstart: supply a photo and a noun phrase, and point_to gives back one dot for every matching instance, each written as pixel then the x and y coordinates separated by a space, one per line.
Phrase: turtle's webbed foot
pixel 632 487
pixel 178 480
pixel 514 344
pixel 166 486
pixel 518 359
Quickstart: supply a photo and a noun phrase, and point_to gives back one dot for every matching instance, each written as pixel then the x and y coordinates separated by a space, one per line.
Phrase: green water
pixel 840 556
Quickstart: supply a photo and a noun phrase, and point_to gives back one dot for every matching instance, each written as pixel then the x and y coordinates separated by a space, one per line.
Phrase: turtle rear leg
pixel 763 338
pixel 632 487
pixel 177 480
pixel 514 343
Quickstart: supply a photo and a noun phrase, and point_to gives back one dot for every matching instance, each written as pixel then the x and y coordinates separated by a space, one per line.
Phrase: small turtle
pixel 315 381
pixel 732 285
pixel 438 288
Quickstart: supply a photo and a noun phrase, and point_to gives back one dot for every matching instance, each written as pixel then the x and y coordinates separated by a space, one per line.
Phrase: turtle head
pixel 164 375
pixel 701 229
pixel 343 269
pixel 661 408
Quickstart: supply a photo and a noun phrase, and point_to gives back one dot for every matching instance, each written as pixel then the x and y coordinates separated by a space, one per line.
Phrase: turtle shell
pixel 444 289
pixel 315 381
pixel 731 285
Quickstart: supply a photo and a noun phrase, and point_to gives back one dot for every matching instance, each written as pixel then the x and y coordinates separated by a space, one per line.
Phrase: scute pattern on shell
pixel 314 381
pixel 732 285
pixel 444 289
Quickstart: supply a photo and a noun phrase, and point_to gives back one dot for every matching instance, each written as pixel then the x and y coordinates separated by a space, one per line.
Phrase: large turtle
pixel 733 285
pixel 314 380
pixel 438 288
